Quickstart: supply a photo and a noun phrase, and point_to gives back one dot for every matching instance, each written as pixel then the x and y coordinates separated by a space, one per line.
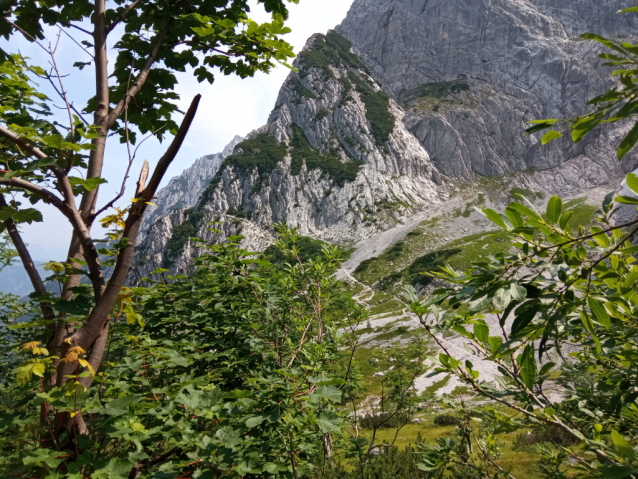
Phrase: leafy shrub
pixel 546 434
pixel 329 50
pixel 330 165
pixel 446 420
pixel 261 152
pixel 395 251
pixel 427 263
pixel 309 248
pixel 300 89
pixel 386 283
pixel 377 103
pixel 239 213
pixel 389 464
pixel 381 421
pixel 182 234
pixel 440 89
pixel 365 264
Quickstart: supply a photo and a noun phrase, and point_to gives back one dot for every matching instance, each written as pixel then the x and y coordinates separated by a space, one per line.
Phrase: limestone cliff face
pixel 471 72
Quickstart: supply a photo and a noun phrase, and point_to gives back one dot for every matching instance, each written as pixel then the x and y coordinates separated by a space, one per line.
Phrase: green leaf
pixel 255 421
pixel 479 304
pixel 622 446
pixel 515 217
pixel 40 457
pixel 550 136
pixel 329 421
pixel 117 407
pixel 517 292
pixel 481 331
pixel 329 392
pixel 89 185
pixel 495 343
pixel 554 208
pixel 528 366
pixel 228 436
pixel 524 315
pixel 116 469
pixel 627 200
pixel 502 299
pixel 524 210
pixel 632 182
pixel 564 219
pixel 628 143
pixel 494 217
pixel 600 312
pixel 589 326
pixel 238 394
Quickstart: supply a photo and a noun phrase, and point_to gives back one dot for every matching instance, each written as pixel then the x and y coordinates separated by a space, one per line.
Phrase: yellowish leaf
pixel 31 345
pixel 86 364
pixel 38 369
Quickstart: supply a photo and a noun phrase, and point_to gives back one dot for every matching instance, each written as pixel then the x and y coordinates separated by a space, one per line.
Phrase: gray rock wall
pixel 472 72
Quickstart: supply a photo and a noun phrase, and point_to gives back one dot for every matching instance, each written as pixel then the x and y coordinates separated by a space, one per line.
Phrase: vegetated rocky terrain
pixel 385 114
pixel 396 126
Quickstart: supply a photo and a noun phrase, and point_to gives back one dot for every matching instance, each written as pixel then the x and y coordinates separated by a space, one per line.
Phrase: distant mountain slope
pixel 183 191
pixel 335 160
pixel 14 279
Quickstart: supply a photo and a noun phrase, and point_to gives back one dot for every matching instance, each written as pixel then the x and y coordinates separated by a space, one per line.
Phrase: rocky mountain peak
pixel 334 160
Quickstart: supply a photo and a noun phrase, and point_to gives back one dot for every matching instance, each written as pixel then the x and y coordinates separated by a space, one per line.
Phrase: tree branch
pixel 74 217
pixel 23 144
pixel 94 326
pixel 60 174
pixel 122 15
pixel 139 81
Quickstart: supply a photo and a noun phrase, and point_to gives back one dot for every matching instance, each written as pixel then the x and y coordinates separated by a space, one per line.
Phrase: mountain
pixel 393 112
pixel 15 280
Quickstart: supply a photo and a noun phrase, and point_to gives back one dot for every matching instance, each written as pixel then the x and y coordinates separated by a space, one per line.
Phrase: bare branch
pixel 80 28
pixel 141 183
pixel 77 43
pixel 62 91
pixel 126 176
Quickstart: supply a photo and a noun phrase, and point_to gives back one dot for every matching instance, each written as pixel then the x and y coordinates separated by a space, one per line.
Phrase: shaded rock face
pixel 470 73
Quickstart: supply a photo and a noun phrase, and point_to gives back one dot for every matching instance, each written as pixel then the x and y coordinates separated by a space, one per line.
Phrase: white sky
pixel 229 107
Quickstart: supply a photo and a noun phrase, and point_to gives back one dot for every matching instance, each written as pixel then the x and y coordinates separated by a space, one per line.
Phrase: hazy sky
pixel 229 107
